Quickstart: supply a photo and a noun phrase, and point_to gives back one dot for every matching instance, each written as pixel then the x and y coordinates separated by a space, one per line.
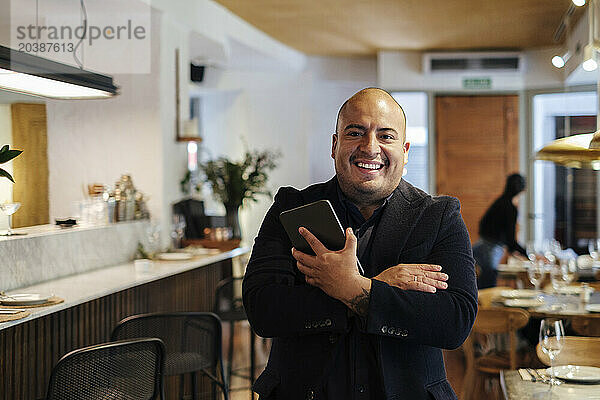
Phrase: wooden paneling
pixel 477 148
pixel 29 351
pixel 31 167
pixel 360 27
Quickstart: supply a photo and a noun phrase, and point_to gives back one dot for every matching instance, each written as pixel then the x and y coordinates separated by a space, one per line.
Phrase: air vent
pixel 472 62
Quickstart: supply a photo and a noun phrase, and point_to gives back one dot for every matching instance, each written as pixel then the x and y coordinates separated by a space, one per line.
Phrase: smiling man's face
pixel 369 147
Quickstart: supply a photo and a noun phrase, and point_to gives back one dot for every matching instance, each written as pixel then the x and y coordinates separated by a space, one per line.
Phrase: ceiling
pixel 362 27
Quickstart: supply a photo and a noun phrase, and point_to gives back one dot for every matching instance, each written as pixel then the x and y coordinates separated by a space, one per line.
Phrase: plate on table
pixel 519 293
pixel 24 299
pixel 576 373
pixel 523 303
pixel 593 307
pixel 200 251
pixel 511 268
pixel 174 256
pixel 570 289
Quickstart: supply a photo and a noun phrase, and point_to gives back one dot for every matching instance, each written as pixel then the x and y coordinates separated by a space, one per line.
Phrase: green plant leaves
pixel 6 154
pixel 233 182
pixel 5 174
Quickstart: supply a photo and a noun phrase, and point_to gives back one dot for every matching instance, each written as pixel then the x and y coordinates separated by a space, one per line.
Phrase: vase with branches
pixel 233 183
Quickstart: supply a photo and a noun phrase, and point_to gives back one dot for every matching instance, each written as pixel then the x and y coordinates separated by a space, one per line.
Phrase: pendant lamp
pixel 577 151
pixel 29 74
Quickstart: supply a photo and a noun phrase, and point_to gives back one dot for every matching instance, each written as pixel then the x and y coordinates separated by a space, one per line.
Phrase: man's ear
pixel 334 139
pixel 406 147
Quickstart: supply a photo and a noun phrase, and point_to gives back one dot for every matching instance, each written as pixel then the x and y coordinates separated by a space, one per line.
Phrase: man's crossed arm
pixel 336 273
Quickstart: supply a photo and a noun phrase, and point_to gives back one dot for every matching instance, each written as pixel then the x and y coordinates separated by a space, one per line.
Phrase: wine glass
pixel 153 236
pixel 178 230
pixel 9 209
pixel 536 272
pixel 556 277
pixel 569 270
pixel 551 248
pixel 552 335
pixel 532 251
pixel 594 249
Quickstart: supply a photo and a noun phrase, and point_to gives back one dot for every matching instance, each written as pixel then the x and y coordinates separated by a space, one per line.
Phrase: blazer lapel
pixel 397 221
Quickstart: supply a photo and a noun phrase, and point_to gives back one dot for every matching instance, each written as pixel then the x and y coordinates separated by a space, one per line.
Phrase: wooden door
pixel 31 167
pixel 477 144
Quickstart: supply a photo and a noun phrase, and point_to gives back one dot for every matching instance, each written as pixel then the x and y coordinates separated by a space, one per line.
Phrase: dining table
pixel 517 270
pixel 523 385
pixel 550 304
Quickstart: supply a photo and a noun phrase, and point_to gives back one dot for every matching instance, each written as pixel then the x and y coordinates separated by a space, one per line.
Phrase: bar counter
pixel 94 302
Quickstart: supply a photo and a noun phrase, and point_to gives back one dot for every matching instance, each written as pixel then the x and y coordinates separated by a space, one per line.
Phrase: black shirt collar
pixel 353 215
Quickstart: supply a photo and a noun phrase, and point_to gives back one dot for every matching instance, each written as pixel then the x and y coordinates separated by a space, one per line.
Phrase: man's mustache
pixel 365 156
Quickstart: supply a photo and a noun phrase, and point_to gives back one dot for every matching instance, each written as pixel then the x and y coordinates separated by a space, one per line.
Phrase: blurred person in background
pixel 497 230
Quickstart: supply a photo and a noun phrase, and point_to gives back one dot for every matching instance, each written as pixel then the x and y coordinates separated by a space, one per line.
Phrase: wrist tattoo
pixel 360 303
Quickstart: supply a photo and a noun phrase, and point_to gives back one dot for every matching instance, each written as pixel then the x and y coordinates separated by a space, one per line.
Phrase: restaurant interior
pixel 142 142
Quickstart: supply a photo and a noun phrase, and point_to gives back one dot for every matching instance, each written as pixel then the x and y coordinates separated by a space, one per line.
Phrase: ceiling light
pixel 589 58
pixel 25 73
pixel 579 3
pixel 560 61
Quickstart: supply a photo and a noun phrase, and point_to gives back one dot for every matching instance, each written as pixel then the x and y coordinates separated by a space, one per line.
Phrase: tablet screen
pixel 320 219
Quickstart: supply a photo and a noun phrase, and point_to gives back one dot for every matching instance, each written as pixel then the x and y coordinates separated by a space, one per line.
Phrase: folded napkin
pixel 524 374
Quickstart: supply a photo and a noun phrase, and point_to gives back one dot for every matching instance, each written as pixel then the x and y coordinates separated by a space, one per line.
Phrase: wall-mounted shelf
pixel 188 139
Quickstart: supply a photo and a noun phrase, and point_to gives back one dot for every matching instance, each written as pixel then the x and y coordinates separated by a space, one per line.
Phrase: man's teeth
pixel 369 166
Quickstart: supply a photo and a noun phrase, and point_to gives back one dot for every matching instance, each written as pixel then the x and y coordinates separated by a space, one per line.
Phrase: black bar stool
pixel 127 369
pixel 192 342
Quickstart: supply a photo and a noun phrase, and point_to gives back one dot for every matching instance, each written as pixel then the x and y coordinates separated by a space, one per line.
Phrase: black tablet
pixel 320 219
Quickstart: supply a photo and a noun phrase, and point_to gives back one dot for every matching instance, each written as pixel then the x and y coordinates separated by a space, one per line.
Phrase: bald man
pixel 342 335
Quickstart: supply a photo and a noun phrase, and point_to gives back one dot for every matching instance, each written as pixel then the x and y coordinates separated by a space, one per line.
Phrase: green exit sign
pixel 477 83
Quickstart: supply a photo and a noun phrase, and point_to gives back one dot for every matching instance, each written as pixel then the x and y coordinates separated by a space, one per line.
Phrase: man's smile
pixel 370 165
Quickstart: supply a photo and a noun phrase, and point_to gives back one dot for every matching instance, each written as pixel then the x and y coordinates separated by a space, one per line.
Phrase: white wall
pixel 98 140
pixel 172 155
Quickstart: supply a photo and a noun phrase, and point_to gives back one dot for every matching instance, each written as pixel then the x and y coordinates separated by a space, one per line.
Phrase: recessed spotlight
pixel 579 3
pixel 560 61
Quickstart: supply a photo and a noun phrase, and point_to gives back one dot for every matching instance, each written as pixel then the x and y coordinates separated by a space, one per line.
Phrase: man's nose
pixel 369 144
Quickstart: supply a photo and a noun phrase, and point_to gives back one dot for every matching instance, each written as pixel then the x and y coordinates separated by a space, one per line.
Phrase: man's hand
pixel 421 277
pixel 335 272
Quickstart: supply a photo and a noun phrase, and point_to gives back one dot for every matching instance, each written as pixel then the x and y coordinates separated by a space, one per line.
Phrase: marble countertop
pixel 80 288
pixel 49 229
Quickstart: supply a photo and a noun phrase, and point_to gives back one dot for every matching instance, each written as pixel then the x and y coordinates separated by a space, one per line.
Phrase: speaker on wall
pixel 196 73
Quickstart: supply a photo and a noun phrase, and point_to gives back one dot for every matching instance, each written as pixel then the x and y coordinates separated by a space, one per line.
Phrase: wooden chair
pixel 479 368
pixel 577 350
pixel 586 325
pixel 485 296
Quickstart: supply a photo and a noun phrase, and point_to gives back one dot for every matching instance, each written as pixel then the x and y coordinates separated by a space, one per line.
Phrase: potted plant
pixel 6 154
pixel 234 182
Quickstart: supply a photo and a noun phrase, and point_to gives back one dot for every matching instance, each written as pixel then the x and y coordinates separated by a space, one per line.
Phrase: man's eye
pixel 353 133
pixel 387 137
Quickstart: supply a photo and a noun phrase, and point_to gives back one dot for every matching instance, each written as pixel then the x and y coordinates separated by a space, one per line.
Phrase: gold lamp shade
pixel 577 151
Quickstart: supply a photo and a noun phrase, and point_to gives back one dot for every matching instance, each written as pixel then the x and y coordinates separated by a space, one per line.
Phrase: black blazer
pixel 411 327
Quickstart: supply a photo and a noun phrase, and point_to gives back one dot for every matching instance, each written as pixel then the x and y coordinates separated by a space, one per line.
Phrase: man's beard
pixel 364 196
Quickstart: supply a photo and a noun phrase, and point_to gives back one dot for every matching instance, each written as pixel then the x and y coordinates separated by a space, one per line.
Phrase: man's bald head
pixel 370 93
pixel 369 147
